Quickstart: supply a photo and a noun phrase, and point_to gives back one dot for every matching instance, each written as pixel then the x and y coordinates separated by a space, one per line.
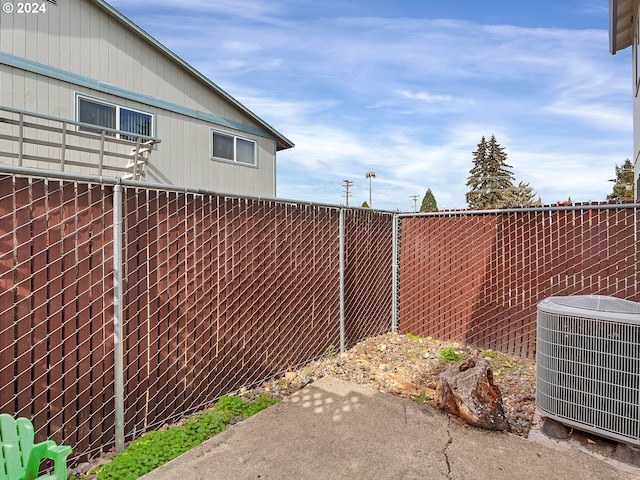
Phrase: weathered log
pixel 467 391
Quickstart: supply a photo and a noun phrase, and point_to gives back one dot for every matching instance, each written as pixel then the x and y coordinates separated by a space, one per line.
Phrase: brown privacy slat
pixel 54 311
pixel 39 295
pixel 226 343
pixel 218 220
pixel 191 342
pixel 83 318
pixel 106 416
pixel 193 279
pixel 625 251
pixel 326 254
pixel 166 362
pixel 158 322
pixel 69 320
pixel 136 324
pixel 286 279
pixel 7 295
pixel 196 392
pixel 268 297
pixel 213 300
pixel 173 265
pixel 22 299
pixel 179 230
pixel 255 248
pixel 157 356
pixel 98 320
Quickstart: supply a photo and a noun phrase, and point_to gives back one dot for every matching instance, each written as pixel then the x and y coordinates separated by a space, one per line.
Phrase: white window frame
pixel 118 108
pixel 235 138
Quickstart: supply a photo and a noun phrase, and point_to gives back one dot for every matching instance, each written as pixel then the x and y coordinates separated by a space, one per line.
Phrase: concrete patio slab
pixel 334 429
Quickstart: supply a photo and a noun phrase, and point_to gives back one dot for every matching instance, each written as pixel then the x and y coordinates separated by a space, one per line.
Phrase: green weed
pixel 420 399
pixel 158 447
pixel 330 352
pixel 488 354
pixel 449 355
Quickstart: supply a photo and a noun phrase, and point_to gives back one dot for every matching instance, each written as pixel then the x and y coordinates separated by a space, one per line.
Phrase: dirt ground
pixel 409 367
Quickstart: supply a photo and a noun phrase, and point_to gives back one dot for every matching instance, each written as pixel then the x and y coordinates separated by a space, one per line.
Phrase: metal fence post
pixel 118 293
pixel 341 235
pixel 394 274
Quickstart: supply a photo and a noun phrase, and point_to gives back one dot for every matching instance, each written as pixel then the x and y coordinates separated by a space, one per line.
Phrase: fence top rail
pixel 547 208
pixel 104 180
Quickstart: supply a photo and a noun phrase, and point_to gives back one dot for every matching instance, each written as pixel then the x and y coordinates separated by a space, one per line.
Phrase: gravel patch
pixel 409 367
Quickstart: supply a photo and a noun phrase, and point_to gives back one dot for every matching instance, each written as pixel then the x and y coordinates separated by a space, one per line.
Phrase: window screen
pixel 222 146
pixel 245 151
pixel 96 114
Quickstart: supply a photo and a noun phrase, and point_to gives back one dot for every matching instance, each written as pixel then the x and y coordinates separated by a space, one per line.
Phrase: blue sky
pixel 408 88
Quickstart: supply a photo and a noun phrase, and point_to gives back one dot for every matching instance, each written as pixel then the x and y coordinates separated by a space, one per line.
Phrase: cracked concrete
pixel 334 429
pixel 446 447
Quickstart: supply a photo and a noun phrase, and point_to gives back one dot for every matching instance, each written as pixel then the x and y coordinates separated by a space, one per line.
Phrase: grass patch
pixel 158 447
pixel 411 336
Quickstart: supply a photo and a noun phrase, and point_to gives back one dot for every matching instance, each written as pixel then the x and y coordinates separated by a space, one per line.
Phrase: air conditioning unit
pixel 588 364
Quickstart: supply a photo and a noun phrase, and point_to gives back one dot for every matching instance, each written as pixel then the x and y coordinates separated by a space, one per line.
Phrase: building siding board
pixel 183 157
pixel 72 36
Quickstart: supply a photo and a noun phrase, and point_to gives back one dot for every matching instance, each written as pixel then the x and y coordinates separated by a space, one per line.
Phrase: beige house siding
pixel 87 40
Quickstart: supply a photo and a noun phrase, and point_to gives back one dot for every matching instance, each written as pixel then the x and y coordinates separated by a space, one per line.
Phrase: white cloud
pixel 411 97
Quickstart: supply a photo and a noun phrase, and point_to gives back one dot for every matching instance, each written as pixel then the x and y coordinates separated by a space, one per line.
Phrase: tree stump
pixel 468 392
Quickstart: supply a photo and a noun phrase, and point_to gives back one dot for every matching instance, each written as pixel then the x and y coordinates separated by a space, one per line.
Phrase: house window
pixel 233 149
pixel 114 116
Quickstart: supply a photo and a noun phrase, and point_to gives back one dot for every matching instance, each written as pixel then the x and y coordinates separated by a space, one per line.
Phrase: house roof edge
pixel 281 141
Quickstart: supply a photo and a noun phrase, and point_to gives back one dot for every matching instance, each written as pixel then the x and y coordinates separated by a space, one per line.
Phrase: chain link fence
pixel 126 306
pixel 56 308
pixel 477 277
pixel 226 292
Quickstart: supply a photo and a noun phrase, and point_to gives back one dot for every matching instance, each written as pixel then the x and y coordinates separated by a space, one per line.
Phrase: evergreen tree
pixel 623 187
pixel 521 196
pixel 429 203
pixel 491 178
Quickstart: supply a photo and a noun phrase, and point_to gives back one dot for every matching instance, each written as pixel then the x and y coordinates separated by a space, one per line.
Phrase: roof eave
pixel 620 25
pixel 282 142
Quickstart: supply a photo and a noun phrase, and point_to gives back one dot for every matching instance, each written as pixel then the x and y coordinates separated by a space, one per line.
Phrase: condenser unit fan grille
pixel 588 368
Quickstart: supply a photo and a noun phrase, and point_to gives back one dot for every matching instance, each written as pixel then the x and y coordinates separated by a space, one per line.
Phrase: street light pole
pixel 370 175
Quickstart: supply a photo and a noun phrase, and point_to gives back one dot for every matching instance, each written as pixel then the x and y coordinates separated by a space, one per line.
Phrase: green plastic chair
pixel 20 458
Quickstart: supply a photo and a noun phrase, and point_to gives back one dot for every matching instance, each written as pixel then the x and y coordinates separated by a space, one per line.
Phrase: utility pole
pixel 415 203
pixel 347 184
